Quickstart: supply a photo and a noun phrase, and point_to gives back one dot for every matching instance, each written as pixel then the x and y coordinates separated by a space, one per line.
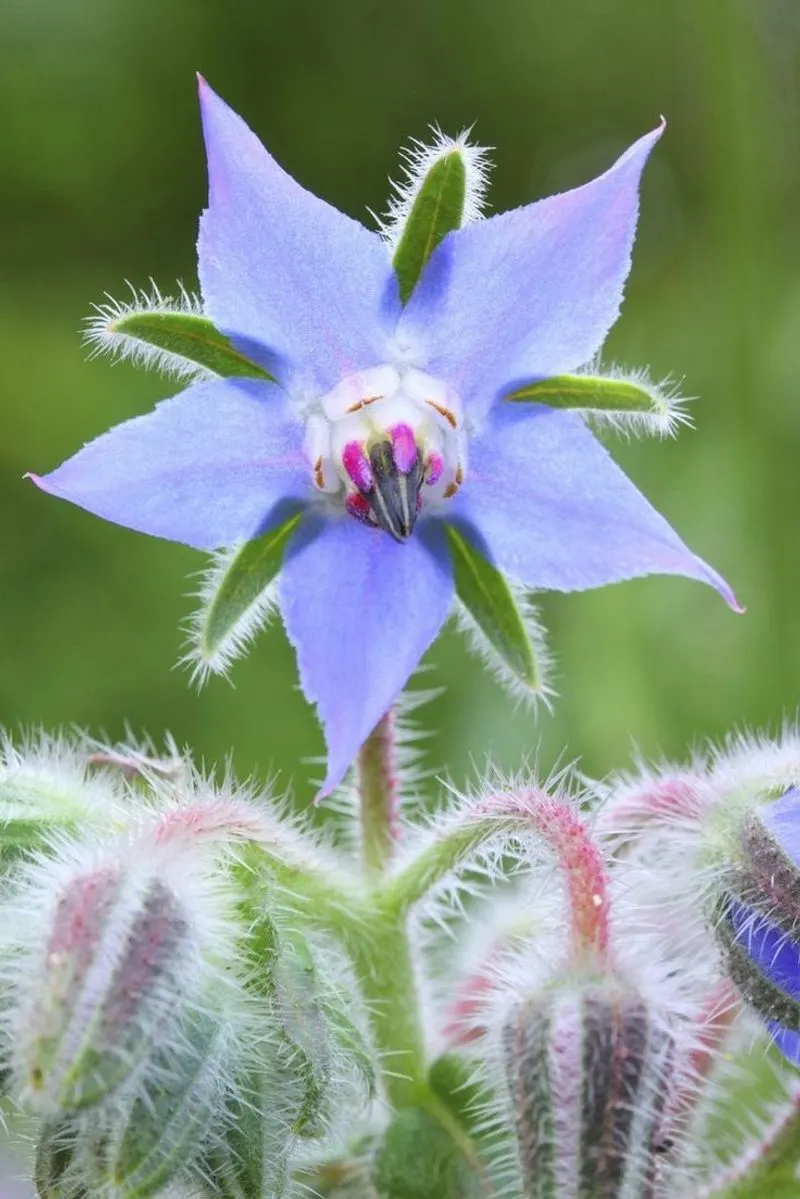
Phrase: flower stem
pixel 381 953
pixel 378 799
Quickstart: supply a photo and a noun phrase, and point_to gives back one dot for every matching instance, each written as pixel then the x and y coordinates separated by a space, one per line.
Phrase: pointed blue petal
pixel 299 285
pixel 210 467
pixel 770 948
pixel 555 511
pixel 782 818
pixel 360 610
pixel 787 1041
pixel 530 293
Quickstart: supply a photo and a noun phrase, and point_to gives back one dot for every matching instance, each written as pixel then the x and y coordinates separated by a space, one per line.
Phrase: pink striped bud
pixel 589 1071
pixel 108 978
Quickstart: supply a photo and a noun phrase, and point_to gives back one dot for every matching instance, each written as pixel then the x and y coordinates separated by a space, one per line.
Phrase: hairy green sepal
pixel 249 574
pixel 590 393
pixel 420 1158
pixel 191 337
pixel 488 599
pixel 437 209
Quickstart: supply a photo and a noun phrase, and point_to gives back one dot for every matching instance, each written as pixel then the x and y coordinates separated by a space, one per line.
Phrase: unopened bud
pixel 54 1171
pixel 588 1071
pixel 756 918
pixel 105 982
pixel 157 1129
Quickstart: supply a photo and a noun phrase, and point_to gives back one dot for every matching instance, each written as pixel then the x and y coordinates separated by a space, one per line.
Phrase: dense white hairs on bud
pixel 481 646
pixel 215 810
pixel 756 763
pixel 182 867
pixel 416 160
pixel 668 412
pixel 52 778
pixel 632 803
pixel 103 336
pixel 204 660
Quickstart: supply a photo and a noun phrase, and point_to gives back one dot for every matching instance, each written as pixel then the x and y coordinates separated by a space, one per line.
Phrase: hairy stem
pixel 381 953
pixel 377 790
pixel 528 815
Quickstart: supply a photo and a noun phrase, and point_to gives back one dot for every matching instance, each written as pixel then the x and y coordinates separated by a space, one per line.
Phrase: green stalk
pixel 377 791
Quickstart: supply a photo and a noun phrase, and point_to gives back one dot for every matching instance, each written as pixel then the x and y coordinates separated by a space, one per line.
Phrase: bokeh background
pixel 103 179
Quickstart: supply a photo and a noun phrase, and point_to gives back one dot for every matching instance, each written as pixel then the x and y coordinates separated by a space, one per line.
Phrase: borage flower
pixel 380 435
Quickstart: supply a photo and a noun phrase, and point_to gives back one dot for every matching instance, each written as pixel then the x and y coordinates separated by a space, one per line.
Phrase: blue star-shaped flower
pixel 386 421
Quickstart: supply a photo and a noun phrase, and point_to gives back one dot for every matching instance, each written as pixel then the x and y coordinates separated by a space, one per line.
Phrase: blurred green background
pixel 103 180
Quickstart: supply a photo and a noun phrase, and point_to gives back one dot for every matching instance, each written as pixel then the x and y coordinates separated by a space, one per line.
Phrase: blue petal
pixel 360 610
pixel 555 512
pixel 281 269
pixel 787 1041
pixel 769 948
pixel 529 293
pixel 207 468
pixel 782 818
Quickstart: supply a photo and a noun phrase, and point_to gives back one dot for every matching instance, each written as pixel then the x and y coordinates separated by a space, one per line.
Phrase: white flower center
pixel 389 443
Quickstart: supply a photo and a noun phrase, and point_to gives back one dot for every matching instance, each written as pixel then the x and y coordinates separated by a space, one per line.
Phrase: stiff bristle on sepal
pixel 107 331
pixel 212 645
pixel 523 666
pixel 613 399
pixel 417 160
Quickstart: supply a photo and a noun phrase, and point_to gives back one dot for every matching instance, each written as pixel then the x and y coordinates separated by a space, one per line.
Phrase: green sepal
pixel 595 393
pixel 420 1158
pixel 489 601
pixel 32 810
pixel 249 1159
pixel 54 1170
pixel 770 1168
pixel 246 578
pixel 351 1041
pixel 438 208
pixel 189 336
pixel 152 1137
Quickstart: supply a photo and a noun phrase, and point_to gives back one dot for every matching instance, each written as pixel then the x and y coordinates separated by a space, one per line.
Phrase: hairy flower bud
pixel 114 966
pixel 588 1071
pixel 757 916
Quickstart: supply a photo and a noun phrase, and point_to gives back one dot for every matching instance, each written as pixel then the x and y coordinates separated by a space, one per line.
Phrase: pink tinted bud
pixel 109 976
pixel 404 447
pixel 434 468
pixel 589 1070
pixel 356 462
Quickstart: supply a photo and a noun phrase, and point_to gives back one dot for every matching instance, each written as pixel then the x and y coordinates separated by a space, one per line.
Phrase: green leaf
pixel 188 336
pixel 488 599
pixel 438 208
pixel 242 585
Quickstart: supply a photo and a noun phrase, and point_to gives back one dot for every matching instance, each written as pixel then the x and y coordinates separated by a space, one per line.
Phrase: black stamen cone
pixel 394 496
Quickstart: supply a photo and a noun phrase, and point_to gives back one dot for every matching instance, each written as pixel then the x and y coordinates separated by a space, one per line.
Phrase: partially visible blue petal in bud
pixel 758 917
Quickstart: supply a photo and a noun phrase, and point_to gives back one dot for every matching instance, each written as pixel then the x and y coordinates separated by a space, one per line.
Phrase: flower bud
pixel 757 917
pixel 156 1130
pixel 588 1071
pixel 115 965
